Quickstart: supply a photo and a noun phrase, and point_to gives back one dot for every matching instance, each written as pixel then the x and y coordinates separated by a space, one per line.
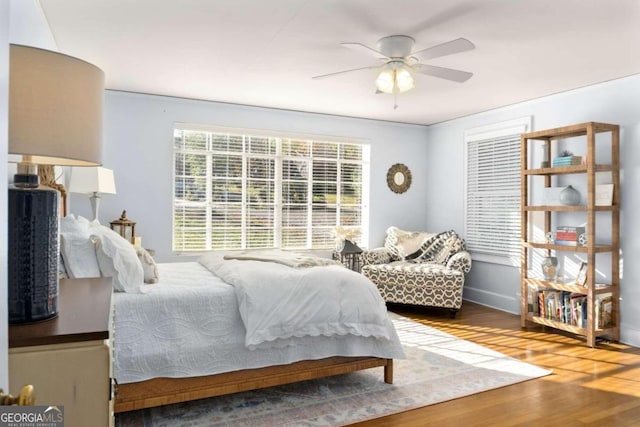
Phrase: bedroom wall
pixel 615 102
pixel 138 142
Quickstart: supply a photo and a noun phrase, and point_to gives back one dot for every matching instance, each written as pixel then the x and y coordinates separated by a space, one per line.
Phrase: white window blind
pixel 492 214
pixel 241 191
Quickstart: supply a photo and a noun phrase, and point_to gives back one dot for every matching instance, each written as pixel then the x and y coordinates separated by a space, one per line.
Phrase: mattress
pixel 189 325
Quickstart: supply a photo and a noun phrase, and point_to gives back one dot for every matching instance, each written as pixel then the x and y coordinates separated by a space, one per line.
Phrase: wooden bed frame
pixel 164 391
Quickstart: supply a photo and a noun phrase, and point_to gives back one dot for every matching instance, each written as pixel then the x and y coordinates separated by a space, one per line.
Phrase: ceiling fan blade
pixel 345 71
pixel 448 48
pixel 443 73
pixel 359 47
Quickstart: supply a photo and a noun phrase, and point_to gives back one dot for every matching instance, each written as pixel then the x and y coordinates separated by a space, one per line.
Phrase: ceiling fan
pixel 400 62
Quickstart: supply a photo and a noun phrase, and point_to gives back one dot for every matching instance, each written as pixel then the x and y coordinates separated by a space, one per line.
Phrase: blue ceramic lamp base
pixel 32 251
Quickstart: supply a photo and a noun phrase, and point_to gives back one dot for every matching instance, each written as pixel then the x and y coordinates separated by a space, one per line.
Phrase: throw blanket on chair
pixel 439 248
pixel 278 302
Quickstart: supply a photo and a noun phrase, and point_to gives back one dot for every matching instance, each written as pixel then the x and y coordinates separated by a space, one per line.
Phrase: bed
pixel 187 337
pixel 221 326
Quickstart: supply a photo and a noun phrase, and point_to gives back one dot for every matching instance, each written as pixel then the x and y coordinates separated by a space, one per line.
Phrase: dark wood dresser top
pixel 83 315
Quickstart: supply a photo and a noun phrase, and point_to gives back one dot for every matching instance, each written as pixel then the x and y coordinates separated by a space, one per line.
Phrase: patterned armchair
pixel 419 268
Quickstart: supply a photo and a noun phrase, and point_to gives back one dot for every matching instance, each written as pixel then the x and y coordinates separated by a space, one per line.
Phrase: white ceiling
pixel 264 52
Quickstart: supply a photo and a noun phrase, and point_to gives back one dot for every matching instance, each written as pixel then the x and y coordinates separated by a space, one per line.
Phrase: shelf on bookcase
pixel 566 327
pixel 570 131
pixel 563 170
pixel 568 286
pixel 598 248
pixel 579 208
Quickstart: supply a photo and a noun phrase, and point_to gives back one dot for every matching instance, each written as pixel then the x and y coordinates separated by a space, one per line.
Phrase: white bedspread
pixel 278 301
pixel 189 325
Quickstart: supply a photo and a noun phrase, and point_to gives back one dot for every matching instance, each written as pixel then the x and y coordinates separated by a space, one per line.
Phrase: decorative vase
pixel 570 196
pixel 549 268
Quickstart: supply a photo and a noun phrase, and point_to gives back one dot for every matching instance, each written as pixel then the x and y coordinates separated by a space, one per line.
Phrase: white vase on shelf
pixel 570 196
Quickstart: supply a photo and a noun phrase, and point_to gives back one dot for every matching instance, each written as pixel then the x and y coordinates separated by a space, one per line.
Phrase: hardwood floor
pixel 595 387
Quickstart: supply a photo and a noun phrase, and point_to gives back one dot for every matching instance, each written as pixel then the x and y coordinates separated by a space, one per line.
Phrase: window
pixel 492 187
pixel 241 190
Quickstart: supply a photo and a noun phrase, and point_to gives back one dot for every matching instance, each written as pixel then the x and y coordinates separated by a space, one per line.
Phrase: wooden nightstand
pixel 68 359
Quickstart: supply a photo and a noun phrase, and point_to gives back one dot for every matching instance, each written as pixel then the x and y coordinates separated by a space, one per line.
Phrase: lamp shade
pixel 55 118
pixel 404 80
pixel 386 81
pixel 92 180
pixel 55 108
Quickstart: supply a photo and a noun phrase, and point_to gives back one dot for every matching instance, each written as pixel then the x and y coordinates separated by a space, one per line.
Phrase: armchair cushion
pixel 439 248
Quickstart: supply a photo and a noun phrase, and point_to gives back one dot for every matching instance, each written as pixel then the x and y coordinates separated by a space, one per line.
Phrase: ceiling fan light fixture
pixel 404 80
pixel 386 80
pixel 394 80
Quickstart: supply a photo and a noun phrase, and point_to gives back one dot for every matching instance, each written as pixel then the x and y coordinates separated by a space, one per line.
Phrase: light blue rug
pixel 438 367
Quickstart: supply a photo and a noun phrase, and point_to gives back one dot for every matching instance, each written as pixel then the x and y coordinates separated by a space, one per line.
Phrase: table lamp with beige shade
pixel 94 182
pixel 55 118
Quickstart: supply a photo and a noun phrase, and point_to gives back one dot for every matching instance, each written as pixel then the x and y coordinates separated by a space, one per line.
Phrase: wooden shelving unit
pixel 588 133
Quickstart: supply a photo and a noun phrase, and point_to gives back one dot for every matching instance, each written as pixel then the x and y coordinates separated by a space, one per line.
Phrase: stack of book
pixel 570 236
pixel 567 161
pixel 571 308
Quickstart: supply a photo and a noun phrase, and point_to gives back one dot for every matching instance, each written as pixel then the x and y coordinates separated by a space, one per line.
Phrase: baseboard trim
pixel 629 335
pixel 491 299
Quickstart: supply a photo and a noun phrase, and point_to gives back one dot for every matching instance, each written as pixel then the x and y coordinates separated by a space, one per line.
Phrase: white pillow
pixel 117 259
pixel 79 255
pixel 148 266
pixel 76 249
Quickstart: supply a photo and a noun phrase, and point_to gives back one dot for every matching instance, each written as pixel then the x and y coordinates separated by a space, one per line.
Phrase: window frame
pixel 502 130
pixel 279 159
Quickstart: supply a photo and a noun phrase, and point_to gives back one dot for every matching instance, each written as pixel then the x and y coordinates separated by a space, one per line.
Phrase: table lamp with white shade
pixel 55 118
pixel 93 181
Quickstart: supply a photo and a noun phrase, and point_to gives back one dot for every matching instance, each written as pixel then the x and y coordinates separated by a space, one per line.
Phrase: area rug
pixel 438 367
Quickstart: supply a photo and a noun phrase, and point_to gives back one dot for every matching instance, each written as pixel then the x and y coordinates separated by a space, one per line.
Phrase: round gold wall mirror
pixel 399 178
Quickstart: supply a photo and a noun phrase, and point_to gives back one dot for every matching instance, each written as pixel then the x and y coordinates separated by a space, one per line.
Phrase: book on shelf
pixel 541 304
pixel 567 161
pixel 604 311
pixel 604 195
pixel 578 310
pixel 550 305
pixel 569 232
pixel 570 236
pixel 532 300
pixel 566 307
pixel 566 242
